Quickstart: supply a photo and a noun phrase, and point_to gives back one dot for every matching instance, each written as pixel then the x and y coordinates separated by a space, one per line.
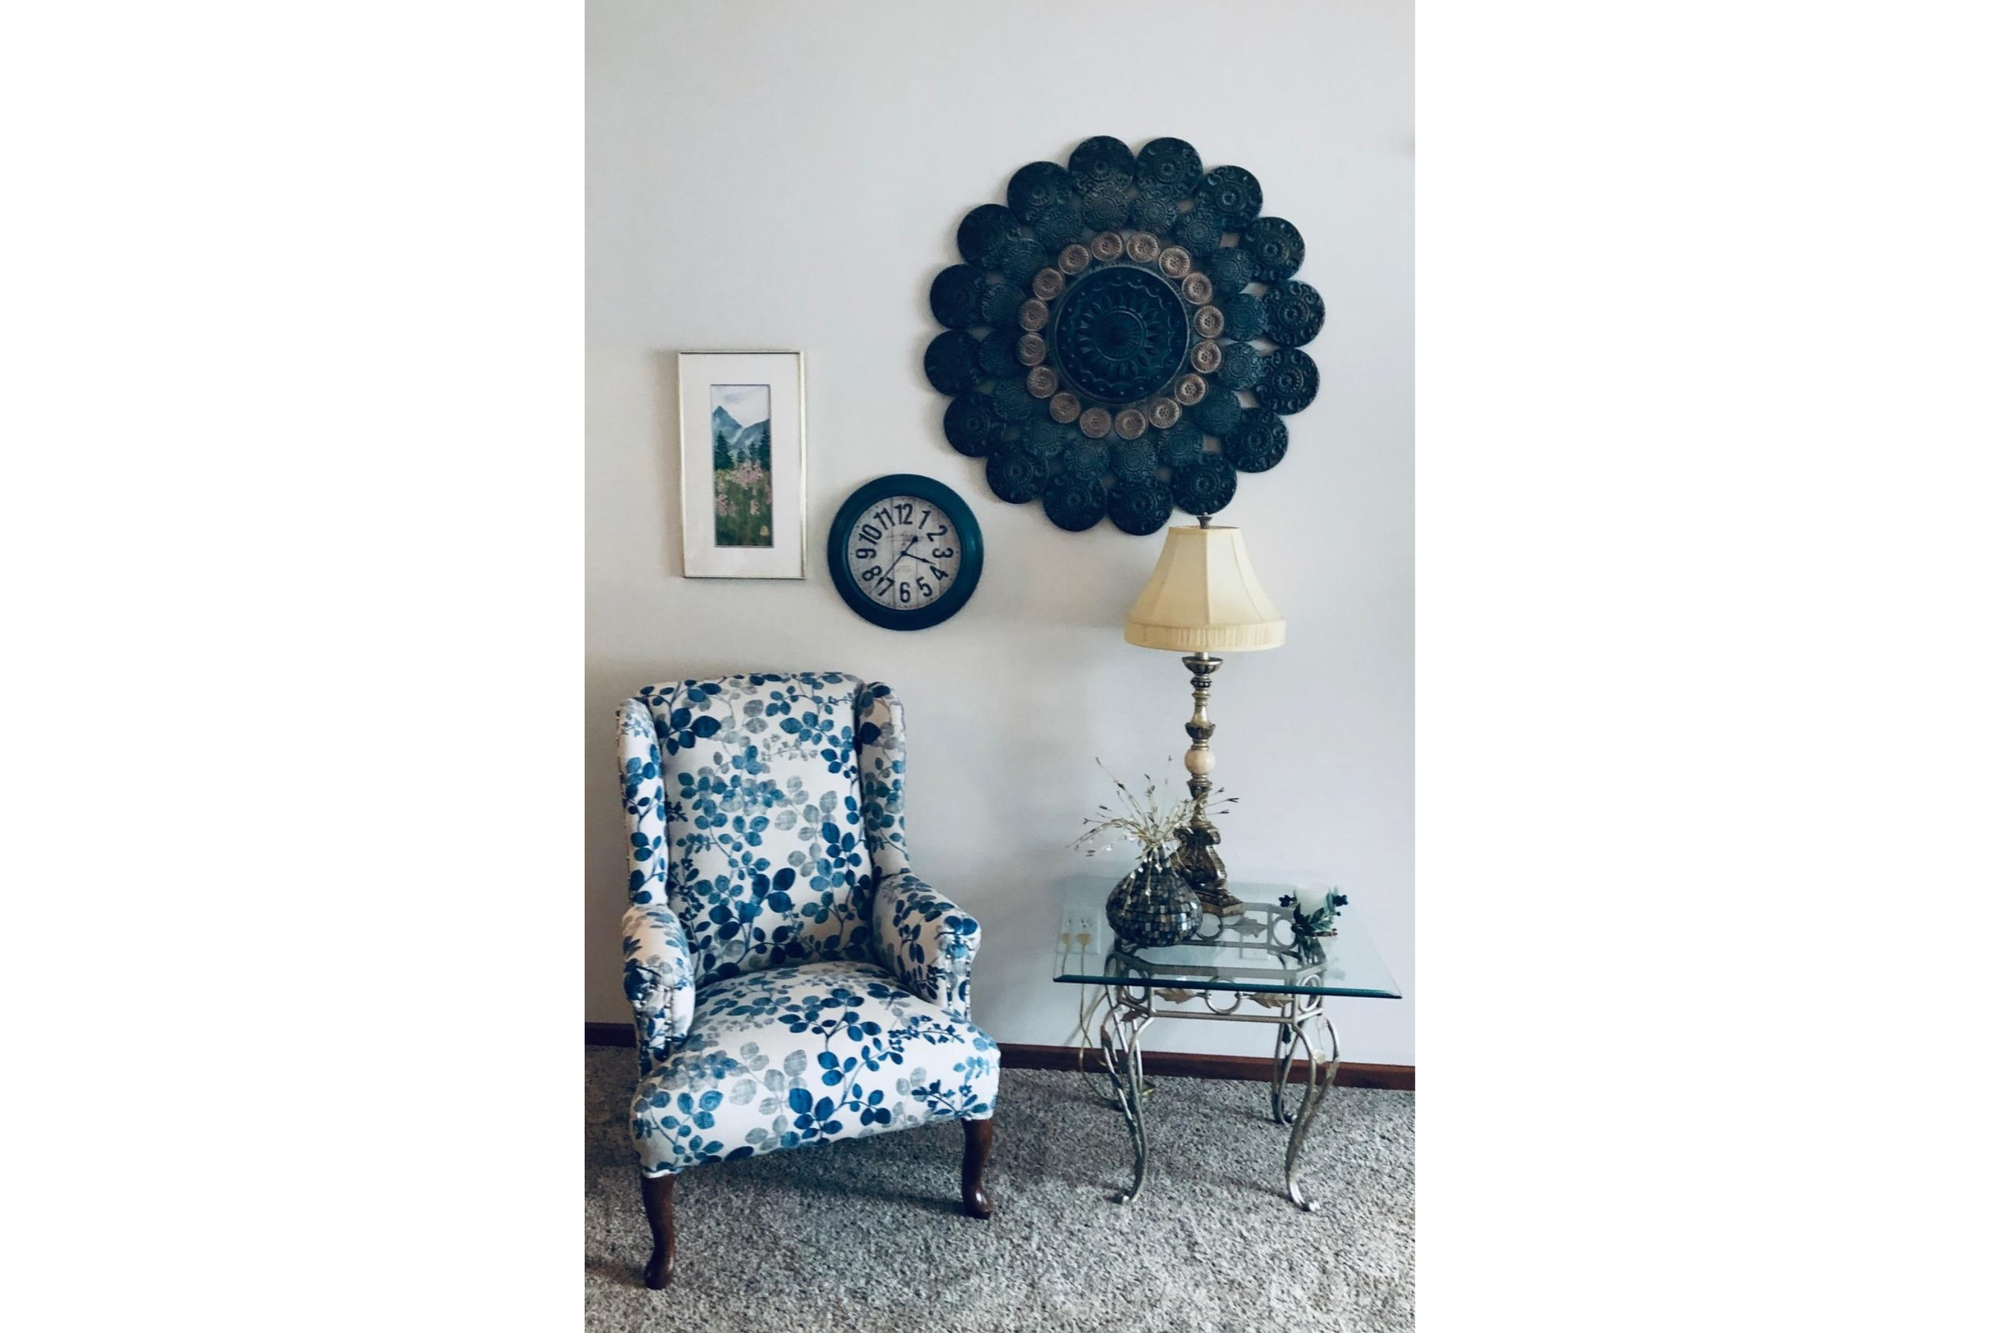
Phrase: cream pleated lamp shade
pixel 1204 598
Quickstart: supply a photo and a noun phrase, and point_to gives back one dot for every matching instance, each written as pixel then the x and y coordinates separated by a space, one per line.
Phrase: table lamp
pixel 1203 600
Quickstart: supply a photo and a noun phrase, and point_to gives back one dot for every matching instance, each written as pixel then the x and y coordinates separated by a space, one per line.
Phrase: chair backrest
pixel 753 802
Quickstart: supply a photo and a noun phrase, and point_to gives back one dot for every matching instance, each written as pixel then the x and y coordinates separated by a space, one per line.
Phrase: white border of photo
pixel 785 558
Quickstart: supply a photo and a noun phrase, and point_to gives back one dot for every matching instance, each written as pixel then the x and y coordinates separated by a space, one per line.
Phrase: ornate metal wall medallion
pixel 971 425
pixel 1258 443
pixel 1290 383
pixel 1086 459
pixel 1134 459
pixel 1015 475
pixel 1124 335
pixel 1240 368
pixel 1012 400
pixel 1044 439
pixel 1293 313
pixel 1179 445
pixel 1205 485
pixel 1243 316
pixel 1074 503
pixel 1218 414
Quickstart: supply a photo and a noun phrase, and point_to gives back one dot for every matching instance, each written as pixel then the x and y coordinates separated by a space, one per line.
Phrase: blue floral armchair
pixel 792 980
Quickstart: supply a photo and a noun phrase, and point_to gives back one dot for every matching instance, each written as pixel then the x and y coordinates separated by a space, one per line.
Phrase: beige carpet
pixel 867 1235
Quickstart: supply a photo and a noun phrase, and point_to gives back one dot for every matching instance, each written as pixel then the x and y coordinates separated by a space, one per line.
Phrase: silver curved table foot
pixel 1319 1081
pixel 1119 1038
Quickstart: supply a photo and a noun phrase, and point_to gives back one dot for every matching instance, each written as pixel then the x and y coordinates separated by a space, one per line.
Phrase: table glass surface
pixel 1253 952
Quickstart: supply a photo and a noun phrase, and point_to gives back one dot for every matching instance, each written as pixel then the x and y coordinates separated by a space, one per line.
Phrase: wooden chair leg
pixel 978 1147
pixel 659 1192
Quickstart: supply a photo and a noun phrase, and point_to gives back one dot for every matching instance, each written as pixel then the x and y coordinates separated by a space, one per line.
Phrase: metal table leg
pixel 1282 1056
pixel 1301 1030
pixel 1319 1081
pixel 1119 1038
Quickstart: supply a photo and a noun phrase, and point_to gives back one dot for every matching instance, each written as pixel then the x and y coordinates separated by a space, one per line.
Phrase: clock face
pixel 904 553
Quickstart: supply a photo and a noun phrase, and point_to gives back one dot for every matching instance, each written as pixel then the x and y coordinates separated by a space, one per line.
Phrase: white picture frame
pixel 743 460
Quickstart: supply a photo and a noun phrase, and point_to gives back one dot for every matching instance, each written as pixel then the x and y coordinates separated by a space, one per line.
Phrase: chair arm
pixel 927 941
pixel 659 980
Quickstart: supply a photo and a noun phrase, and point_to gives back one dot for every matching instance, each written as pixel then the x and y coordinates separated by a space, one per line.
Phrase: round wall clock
pixel 1124 336
pixel 905 552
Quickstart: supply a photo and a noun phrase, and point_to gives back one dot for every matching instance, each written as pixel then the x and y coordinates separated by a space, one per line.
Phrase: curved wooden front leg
pixel 659 1193
pixel 978 1147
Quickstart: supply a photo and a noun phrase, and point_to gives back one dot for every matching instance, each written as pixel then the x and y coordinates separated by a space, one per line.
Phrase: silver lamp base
pixel 1196 858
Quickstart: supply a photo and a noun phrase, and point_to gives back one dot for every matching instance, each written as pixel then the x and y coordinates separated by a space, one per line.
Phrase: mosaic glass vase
pixel 1153 905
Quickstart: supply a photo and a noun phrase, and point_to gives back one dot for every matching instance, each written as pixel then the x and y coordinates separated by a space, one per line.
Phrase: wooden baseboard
pixel 1178 1064
pixel 1186 1064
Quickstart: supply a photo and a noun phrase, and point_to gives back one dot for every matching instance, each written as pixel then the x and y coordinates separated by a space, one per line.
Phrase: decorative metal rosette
pixel 1124 335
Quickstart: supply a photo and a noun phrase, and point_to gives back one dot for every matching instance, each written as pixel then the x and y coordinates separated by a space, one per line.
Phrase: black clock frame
pixel 948 502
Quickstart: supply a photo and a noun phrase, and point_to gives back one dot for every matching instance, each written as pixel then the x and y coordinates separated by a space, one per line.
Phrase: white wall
pixel 792 175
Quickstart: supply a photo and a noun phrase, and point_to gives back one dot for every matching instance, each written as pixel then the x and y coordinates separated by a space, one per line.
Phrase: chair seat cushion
pixel 792 1056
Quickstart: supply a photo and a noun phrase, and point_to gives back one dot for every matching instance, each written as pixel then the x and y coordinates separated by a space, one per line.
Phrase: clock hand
pixel 934 569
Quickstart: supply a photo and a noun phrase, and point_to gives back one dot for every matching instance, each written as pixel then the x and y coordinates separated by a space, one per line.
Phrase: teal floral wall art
pixel 1124 336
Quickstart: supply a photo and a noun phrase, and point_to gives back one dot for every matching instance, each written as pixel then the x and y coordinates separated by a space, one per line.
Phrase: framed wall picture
pixel 743 456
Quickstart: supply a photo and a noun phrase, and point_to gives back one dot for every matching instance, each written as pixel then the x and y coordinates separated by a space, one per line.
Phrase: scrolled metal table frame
pixel 1299 1018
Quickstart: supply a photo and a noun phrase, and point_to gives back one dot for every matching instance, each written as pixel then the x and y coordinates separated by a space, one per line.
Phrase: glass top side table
pixel 1246 969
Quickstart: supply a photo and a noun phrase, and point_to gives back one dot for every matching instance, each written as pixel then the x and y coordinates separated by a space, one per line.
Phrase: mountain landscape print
pixel 740 426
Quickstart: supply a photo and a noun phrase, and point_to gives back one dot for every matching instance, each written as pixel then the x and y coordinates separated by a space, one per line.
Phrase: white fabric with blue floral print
pixel 792 980
pixel 659 977
pixel 925 939
pixel 791 1056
